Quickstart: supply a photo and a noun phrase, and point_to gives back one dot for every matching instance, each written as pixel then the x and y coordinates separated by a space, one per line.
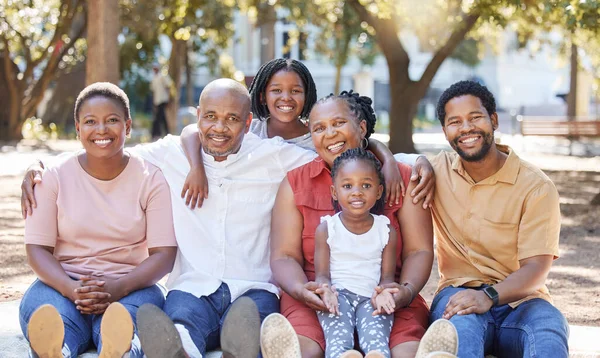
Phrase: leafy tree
pixel 39 40
pixel 442 27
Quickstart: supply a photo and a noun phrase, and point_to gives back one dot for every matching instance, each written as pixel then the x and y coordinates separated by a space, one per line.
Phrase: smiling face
pixel 334 129
pixel 469 128
pixel 223 119
pixel 102 125
pixel 356 187
pixel 284 96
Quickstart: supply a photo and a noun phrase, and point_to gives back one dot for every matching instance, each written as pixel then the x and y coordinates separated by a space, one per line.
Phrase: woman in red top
pixel 338 123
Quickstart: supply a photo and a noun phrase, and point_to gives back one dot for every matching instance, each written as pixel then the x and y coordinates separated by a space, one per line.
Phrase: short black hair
pixel 368 157
pixel 258 86
pixel 463 88
pixel 102 89
pixel 360 106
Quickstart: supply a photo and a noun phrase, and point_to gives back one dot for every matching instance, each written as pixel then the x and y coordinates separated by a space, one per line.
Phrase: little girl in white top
pixel 355 251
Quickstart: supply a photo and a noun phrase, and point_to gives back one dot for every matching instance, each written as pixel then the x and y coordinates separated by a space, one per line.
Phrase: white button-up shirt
pixel 227 239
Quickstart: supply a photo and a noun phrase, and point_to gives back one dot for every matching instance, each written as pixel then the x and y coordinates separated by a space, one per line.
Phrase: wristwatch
pixel 492 294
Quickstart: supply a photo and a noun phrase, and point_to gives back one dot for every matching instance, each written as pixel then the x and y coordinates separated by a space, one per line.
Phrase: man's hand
pixel 309 294
pixel 195 188
pixel 330 299
pixel 32 177
pixel 384 301
pixel 467 302
pixel 423 172
pixel 394 185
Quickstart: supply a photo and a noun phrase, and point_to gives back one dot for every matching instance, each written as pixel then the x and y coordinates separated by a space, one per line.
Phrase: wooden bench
pixel 571 130
pixel 568 129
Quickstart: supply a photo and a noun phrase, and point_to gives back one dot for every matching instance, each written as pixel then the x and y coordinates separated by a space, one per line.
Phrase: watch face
pixel 491 291
pixel 492 294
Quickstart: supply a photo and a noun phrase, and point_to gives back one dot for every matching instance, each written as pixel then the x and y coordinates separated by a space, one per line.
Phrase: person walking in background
pixel 160 86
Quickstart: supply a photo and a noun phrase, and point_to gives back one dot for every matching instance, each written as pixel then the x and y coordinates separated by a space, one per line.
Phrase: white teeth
pixel 285 108
pixel 470 140
pixel 219 139
pixel 335 146
pixel 102 141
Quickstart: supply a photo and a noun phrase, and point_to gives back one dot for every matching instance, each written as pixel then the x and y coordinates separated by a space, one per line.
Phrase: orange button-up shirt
pixel 483 229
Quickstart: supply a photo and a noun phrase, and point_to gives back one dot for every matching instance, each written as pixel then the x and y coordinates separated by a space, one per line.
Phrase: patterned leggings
pixel 355 312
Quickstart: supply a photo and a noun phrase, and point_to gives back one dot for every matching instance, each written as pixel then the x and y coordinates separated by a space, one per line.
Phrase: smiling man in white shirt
pixel 224 245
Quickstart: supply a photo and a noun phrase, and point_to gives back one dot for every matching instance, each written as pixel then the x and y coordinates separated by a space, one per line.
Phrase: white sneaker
pixel 441 337
pixel 278 338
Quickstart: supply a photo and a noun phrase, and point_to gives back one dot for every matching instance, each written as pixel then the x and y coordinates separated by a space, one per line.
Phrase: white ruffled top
pixel 355 260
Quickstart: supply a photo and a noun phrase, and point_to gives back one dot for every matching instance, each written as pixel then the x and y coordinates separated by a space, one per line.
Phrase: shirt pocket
pixel 499 235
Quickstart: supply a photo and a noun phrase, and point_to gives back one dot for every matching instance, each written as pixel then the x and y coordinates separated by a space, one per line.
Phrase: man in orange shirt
pixel 497 224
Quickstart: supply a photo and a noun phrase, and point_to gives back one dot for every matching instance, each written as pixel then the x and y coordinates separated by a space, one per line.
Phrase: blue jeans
pixel 535 328
pixel 80 329
pixel 203 317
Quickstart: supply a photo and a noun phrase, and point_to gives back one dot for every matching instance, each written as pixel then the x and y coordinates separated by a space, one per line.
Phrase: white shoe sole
pixel 440 337
pixel 278 338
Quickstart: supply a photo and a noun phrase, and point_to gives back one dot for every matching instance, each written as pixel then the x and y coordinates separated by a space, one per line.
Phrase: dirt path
pixel 574 280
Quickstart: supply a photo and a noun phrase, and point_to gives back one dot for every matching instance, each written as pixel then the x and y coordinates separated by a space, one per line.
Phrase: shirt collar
pixel 317 166
pixel 507 174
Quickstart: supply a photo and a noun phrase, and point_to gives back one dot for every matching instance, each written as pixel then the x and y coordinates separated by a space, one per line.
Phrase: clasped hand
pixel 92 295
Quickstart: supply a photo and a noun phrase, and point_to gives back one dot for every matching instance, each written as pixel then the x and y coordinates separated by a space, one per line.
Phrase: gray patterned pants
pixel 355 312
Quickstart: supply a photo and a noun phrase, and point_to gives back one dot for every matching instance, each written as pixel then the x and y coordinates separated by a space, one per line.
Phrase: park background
pixel 541 59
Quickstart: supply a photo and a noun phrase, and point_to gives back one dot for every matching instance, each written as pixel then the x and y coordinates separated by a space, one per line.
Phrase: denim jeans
pixel 535 328
pixel 80 329
pixel 203 317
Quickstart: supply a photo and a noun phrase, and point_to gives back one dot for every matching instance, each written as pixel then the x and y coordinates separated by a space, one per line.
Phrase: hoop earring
pixel 364 143
pixel 303 120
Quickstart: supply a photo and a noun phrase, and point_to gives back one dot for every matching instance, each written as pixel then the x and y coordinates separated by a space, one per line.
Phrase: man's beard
pixel 488 140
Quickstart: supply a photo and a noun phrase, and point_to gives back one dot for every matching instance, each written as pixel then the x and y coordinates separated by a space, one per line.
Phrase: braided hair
pixel 360 106
pixel 258 87
pixel 102 89
pixel 356 154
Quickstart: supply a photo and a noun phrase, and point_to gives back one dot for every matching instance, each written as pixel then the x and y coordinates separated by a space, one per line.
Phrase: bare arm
pixel 417 243
pixel 195 188
pixel 394 185
pixel 417 251
pixel 322 253
pixel 388 258
pixel 50 272
pixel 322 273
pixel 286 249
pixel 518 285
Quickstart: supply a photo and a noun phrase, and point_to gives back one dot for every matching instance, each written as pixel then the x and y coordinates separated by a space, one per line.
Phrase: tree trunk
pixel 175 69
pixel 14 122
pixel 267 18
pixel 572 96
pixel 403 107
pixel 103 46
pixel 189 85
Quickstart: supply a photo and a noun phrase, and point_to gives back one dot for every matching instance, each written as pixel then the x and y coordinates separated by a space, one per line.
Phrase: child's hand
pixel 329 298
pixel 383 302
pixel 196 187
pixel 394 185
